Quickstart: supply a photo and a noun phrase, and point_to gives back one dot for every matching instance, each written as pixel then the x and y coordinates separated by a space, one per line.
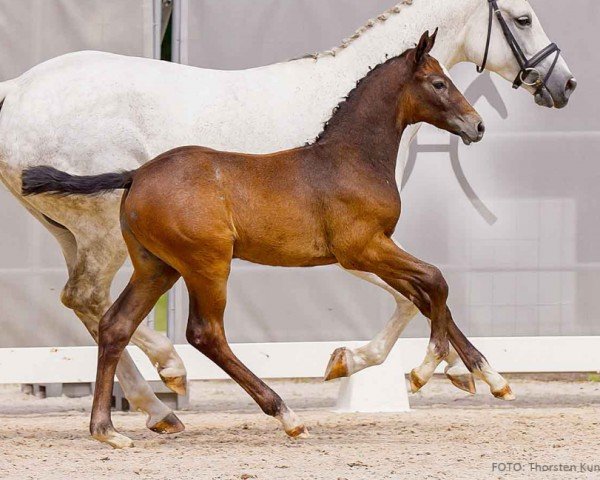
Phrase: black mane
pixel 348 98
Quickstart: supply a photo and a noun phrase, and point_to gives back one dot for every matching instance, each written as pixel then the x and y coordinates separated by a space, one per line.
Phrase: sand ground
pixel 447 435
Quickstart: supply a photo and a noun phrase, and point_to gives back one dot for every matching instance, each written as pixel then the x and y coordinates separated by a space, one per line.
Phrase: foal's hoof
pixel 338 364
pixel 504 393
pixel 169 424
pixel 299 432
pixel 416 383
pixel 114 439
pixel 176 384
pixel 464 382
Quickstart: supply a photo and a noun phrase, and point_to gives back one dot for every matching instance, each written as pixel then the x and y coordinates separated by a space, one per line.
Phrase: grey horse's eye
pixel 524 21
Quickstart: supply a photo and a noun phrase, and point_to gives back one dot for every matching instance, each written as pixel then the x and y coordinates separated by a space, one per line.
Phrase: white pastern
pixel 423 373
pixel 115 440
pixel 292 424
pixel 498 384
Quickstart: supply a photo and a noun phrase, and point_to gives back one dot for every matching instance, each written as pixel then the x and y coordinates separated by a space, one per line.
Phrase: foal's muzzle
pixel 471 130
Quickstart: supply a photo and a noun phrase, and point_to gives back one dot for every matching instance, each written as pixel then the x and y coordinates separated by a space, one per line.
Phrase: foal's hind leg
pixel 151 278
pixel 207 285
pixel 478 364
pixel 90 300
pixel 90 304
pixel 345 362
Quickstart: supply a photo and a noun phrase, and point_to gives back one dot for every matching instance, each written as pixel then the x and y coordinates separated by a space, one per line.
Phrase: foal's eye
pixel 439 85
pixel 524 21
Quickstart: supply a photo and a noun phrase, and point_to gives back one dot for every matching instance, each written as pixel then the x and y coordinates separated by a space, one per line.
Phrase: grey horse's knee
pixel 85 298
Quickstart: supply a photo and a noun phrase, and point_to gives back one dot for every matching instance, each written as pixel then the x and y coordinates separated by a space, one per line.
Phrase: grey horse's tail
pixel 45 179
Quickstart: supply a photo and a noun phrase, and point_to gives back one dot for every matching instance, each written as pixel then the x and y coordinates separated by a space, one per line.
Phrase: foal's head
pixel 431 97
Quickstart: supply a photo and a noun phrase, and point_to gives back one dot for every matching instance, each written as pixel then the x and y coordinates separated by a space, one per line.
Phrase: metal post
pixel 176 32
pixel 167 9
pixel 172 313
pixel 151 319
pixel 157 28
pixel 157 11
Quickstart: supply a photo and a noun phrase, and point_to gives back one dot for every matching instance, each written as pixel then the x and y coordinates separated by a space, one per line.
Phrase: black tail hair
pixel 45 179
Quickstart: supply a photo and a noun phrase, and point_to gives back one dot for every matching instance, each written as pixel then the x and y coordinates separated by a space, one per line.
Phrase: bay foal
pixel 191 210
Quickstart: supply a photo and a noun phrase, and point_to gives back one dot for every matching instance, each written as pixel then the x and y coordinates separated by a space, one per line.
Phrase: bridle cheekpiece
pixel 528 75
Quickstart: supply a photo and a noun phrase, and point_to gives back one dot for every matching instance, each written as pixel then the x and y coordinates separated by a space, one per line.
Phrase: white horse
pixel 92 112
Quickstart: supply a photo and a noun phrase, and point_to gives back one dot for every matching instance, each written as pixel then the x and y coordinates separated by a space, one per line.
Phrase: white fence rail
pixel 300 360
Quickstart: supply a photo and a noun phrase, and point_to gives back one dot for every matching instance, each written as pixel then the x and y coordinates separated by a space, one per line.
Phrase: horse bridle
pixel 528 75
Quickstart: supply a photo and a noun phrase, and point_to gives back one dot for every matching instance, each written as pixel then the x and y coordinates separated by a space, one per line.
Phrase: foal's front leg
pixel 345 362
pixel 424 285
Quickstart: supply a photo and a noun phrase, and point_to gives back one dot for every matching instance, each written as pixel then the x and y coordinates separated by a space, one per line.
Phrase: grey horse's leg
pixel 89 304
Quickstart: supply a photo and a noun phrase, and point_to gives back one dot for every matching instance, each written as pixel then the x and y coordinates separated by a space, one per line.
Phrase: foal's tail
pixel 45 179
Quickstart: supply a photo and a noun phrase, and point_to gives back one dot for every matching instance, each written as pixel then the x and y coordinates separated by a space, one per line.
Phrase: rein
pixel 528 75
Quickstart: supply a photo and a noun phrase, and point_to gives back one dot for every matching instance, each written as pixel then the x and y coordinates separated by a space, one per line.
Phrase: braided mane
pixel 362 30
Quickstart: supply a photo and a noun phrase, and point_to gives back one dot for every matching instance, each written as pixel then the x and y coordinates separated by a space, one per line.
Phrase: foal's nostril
pixel 570 87
pixel 481 128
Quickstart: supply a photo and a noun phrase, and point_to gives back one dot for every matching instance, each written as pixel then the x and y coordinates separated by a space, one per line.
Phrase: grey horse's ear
pixel 421 49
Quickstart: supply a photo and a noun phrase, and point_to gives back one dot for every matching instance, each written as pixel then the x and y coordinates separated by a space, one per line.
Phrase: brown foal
pixel 190 211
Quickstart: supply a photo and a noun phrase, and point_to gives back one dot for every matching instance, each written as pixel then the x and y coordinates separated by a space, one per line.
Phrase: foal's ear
pixel 426 44
pixel 431 42
pixel 421 49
